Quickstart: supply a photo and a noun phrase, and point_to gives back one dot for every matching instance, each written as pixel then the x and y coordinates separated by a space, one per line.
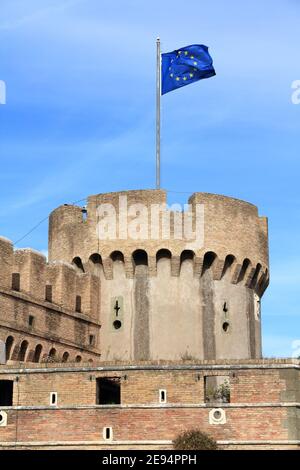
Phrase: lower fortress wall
pixel 263 410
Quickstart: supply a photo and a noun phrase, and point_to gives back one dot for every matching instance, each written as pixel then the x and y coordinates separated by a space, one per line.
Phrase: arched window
pixel 208 261
pixel 78 264
pixel 187 254
pixel 37 353
pixel 163 253
pixel 245 266
pixel 117 256
pixel 78 359
pixel 140 257
pixel 255 275
pixel 95 264
pixel 65 356
pixel 229 260
pixel 8 346
pixel 23 350
pixel 52 354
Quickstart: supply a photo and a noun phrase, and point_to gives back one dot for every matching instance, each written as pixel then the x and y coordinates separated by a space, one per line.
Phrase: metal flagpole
pixel 158 94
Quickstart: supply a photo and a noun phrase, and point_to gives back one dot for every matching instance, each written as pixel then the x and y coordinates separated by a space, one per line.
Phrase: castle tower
pixel 169 295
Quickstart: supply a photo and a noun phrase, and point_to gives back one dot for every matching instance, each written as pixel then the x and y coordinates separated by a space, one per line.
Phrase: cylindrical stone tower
pixel 173 284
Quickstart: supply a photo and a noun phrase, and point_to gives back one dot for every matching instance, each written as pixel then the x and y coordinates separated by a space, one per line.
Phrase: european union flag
pixel 184 66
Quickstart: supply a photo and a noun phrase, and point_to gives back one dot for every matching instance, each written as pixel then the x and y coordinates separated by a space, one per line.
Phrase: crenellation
pixel 137 289
pixel 31 266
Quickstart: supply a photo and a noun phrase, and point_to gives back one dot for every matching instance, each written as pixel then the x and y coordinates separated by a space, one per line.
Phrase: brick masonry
pixel 264 405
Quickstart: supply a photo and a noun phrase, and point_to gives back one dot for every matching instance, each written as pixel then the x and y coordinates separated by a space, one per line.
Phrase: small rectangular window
pixel 30 320
pixel 48 293
pixel 15 282
pixel 107 434
pixel 163 396
pixel 53 398
pixel 78 304
pixel 92 340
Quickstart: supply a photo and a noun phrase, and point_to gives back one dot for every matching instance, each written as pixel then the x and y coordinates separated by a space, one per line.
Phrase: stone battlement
pixel 230 226
pixel 27 271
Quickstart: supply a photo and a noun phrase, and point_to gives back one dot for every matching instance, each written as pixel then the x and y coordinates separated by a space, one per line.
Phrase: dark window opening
pixel 78 304
pixel 30 320
pixel 108 391
pixel 163 253
pixel 162 396
pixel 53 398
pixel 15 282
pixel 255 276
pixel 78 264
pixel 107 433
pixel 225 326
pixel 187 255
pixel 23 350
pixel 6 392
pixel 245 266
pixel 92 340
pixel 65 357
pixel 48 293
pixel 229 260
pixel 78 359
pixel 216 389
pixel 209 259
pixel 37 353
pixel 117 256
pixel 140 257
pixel 52 355
pixel 8 346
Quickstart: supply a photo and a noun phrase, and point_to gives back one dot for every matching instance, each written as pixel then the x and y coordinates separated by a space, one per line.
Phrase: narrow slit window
pixel 92 340
pixel 31 320
pixel 48 293
pixel 107 434
pixel 163 396
pixel 15 282
pixel 53 398
pixel 78 304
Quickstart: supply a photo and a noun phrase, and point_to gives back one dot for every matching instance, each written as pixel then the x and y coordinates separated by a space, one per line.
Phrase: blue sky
pixel 80 117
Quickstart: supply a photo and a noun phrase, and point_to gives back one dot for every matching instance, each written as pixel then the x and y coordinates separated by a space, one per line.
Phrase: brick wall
pixel 263 410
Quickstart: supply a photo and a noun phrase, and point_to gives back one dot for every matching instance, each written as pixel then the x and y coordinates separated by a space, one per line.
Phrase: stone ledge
pixel 205 365
pixel 153 406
